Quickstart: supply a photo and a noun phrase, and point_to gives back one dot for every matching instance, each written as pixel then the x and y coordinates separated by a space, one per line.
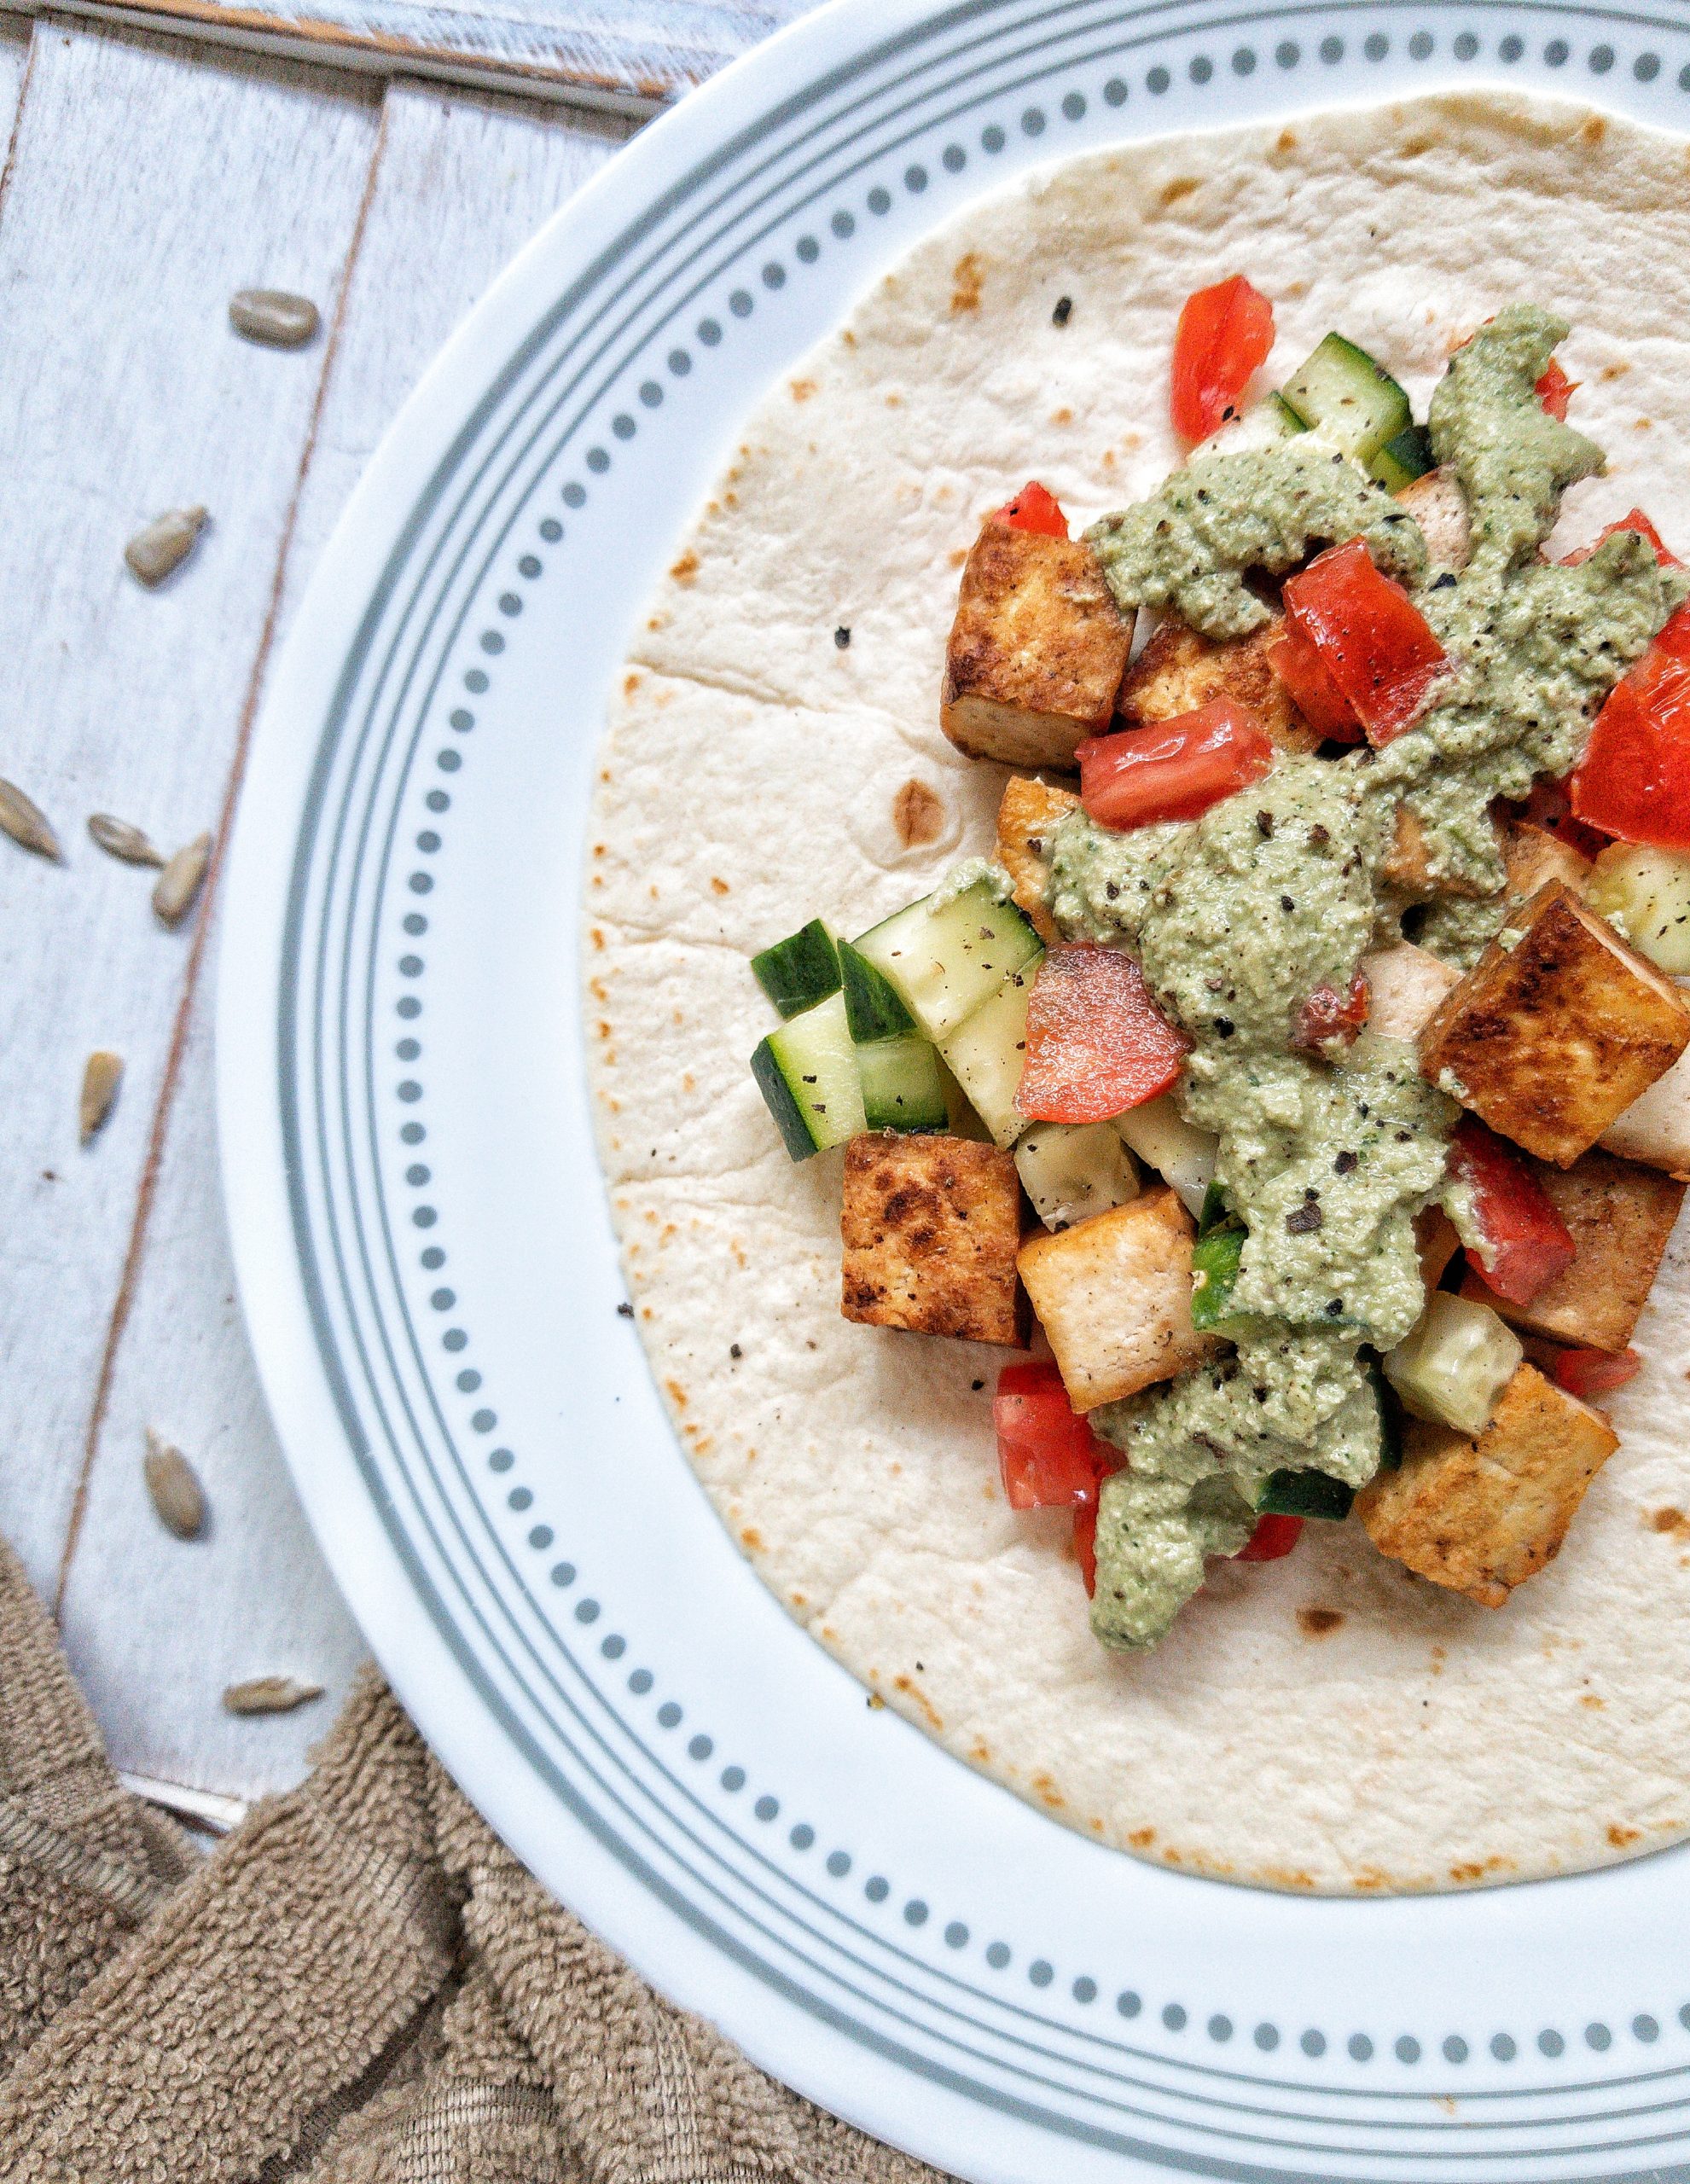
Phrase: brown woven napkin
pixel 362 1986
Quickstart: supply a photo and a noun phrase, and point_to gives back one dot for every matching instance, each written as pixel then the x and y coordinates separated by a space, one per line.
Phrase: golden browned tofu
pixel 1026 814
pixel 1481 1517
pixel 1408 865
pixel 1620 1215
pixel 930 1227
pixel 1113 1294
pixel 1438 505
pixel 1178 670
pixel 1550 1041
pixel 1036 651
pixel 1534 856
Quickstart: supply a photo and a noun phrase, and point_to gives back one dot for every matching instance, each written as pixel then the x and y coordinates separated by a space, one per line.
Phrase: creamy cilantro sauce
pixel 1239 916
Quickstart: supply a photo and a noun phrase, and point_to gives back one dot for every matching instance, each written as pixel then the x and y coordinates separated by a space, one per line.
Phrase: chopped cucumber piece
pixel 902 1089
pixel 1264 424
pixel 1305 1494
pixel 1216 1211
pixel 1343 394
pixel 799 972
pixel 1453 1363
pixel 986 1050
pixel 1647 894
pixel 1405 458
pixel 964 1122
pixel 944 958
pixel 807 1072
pixel 1070 1171
pixel 1390 1420
pixel 1164 1141
pixel 1214 1276
pixel 873 1010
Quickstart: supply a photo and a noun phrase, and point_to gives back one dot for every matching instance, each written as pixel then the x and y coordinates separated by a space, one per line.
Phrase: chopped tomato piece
pixel 1296 660
pixel 1049 1458
pixel 1633 780
pixel 1555 390
pixel 1272 1537
pixel 1329 1014
pixel 1034 510
pixel 1550 807
pixel 1524 1243
pixel 1224 335
pixel 1085 1543
pixel 1174 770
pixel 1588 1373
pixel 1636 521
pixel 1375 643
pixel 1097 1043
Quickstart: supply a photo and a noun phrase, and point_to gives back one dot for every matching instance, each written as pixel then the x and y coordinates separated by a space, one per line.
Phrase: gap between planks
pixel 136 1248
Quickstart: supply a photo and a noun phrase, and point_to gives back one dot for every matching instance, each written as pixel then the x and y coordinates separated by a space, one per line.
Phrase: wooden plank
pixel 628 59
pixel 145 188
pixel 155 1636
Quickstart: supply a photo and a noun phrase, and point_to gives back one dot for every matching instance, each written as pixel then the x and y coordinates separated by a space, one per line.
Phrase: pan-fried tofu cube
pixel 1656 1128
pixel 1405 984
pixel 1179 670
pixel 1025 818
pixel 1438 505
pixel 1534 856
pixel 1481 1517
pixel 930 1227
pixel 1551 1040
pixel 1620 1215
pixel 1036 651
pixel 1408 865
pixel 1113 1294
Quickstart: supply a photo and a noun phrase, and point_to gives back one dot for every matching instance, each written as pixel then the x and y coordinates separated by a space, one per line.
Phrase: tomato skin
pixel 1048 1457
pixel 1329 1015
pixel 1526 1242
pixel 1633 780
pixel 1085 1545
pixel 1097 1043
pixel 1224 336
pixel 1295 659
pixel 1273 1537
pixel 1590 1375
pixel 1175 769
pixel 1034 510
pixel 1637 521
pixel 1555 390
pixel 1377 647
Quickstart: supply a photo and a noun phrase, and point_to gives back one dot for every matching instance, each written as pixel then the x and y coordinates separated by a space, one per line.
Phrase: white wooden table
pixel 146 179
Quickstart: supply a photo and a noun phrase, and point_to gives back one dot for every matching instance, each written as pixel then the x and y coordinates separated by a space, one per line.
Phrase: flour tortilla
pixel 1327 1722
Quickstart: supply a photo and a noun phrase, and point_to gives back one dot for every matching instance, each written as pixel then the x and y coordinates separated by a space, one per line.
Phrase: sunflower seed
pixel 179 881
pixel 25 823
pixel 273 316
pixel 270 1694
pixel 175 1492
pixel 101 1074
pixel 164 545
pixel 118 838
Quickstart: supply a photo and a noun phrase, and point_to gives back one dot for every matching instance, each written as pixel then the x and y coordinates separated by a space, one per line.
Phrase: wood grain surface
pixel 124 391
pixel 627 58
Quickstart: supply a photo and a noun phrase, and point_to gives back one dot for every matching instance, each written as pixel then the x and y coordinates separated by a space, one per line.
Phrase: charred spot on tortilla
pixel 1064 310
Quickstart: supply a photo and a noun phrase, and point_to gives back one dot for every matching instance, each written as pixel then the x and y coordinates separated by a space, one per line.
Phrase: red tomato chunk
pixel 1590 1375
pixel 1175 769
pixel 1273 1537
pixel 1296 659
pixel 1555 390
pixel 1377 647
pixel 1329 1014
pixel 1525 1242
pixel 1224 336
pixel 1034 510
pixel 1633 780
pixel 1085 1545
pixel 1097 1043
pixel 1637 521
pixel 1048 1457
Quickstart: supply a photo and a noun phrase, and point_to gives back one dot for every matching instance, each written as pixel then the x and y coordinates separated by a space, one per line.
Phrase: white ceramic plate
pixel 428 1268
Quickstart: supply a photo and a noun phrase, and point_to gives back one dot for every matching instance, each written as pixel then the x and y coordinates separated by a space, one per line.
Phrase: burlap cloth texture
pixel 361 1986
